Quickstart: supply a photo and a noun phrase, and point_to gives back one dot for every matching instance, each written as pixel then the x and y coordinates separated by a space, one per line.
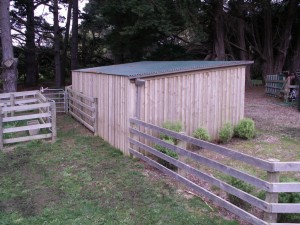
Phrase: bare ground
pixel 271 114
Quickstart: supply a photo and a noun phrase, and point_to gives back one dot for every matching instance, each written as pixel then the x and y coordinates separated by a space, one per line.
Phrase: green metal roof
pixel 154 68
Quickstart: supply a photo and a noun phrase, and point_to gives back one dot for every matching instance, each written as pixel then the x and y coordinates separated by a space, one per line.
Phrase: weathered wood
pixel 25 128
pixel 285 207
pixel 12 103
pixel 90 108
pixel 41 96
pixel 212 180
pixel 210 146
pixel 18 94
pixel 53 121
pixel 216 199
pixel 25 107
pixel 95 115
pixel 182 158
pixel 286 166
pixel 208 162
pixel 91 128
pixel 27 138
pixel 82 113
pixel 26 117
pixel 271 197
pixel 81 95
pixel 285 187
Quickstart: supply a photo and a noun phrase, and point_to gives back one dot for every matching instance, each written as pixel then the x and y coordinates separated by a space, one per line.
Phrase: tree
pixel 74 44
pixel 66 41
pixel 218 30
pixel 285 37
pixel 9 63
pixel 30 48
pixel 58 78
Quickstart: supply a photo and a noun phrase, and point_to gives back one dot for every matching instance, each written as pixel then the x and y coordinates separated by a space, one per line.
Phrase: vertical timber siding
pixel 207 98
pixel 115 105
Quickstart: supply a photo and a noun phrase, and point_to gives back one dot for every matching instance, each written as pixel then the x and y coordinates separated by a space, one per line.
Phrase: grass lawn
pixel 81 179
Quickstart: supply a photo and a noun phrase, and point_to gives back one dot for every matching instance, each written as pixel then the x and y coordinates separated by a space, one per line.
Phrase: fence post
pixel 182 144
pixel 12 103
pixel 66 99
pixel 1 129
pixel 272 177
pixel 53 121
pixel 95 105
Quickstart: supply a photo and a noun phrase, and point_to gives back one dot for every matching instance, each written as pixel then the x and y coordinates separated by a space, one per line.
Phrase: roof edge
pixel 240 63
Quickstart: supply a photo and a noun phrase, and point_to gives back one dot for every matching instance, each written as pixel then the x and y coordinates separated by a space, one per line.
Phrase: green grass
pixel 81 179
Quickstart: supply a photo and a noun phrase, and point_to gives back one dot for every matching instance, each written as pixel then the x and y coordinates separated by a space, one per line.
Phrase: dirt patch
pixel 271 114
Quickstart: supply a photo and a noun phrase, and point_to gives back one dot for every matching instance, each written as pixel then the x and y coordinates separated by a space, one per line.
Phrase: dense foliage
pixel 120 31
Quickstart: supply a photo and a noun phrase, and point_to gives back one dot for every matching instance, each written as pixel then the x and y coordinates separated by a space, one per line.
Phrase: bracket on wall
pixel 138 83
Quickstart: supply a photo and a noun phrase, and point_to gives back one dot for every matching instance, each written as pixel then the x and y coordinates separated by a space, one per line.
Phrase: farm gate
pixel 192 166
pixel 83 108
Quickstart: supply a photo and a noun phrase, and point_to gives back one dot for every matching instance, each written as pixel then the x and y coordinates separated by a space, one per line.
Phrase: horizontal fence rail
pixel 23 115
pixel 57 95
pixel 83 108
pixel 270 208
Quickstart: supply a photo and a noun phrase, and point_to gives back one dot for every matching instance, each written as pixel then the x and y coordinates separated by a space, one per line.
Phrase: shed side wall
pixel 207 99
pixel 116 97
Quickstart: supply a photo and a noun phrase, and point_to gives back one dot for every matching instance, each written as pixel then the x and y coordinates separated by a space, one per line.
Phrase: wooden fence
pixel 83 108
pixel 274 85
pixel 26 111
pixel 279 86
pixel 140 131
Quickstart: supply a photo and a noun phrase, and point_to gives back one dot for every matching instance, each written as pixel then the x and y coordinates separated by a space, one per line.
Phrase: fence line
pixel 83 108
pixel 269 206
pixel 32 108
pixel 57 95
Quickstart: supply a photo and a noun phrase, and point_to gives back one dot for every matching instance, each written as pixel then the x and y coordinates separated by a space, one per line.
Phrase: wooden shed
pixel 197 93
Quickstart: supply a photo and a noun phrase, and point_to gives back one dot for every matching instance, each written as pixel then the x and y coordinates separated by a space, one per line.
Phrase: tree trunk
pixel 295 61
pixel 267 67
pixel 84 49
pixel 219 32
pixel 58 80
pixel 66 42
pixel 242 50
pixel 30 49
pixel 285 35
pixel 74 45
pixel 9 63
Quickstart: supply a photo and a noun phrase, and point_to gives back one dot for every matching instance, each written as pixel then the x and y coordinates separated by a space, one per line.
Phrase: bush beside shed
pixel 197 93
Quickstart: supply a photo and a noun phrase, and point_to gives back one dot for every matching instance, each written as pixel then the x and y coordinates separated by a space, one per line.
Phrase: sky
pixel 44 10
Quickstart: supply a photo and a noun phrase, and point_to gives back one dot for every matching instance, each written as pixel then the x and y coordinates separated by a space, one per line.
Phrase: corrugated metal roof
pixel 153 68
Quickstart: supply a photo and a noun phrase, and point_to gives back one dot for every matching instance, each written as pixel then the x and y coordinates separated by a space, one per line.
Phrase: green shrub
pixel 173 126
pixel 245 129
pixel 241 185
pixel 226 133
pixel 289 198
pixel 168 152
pixel 202 134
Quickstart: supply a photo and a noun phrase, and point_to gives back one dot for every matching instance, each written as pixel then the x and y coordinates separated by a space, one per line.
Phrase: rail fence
pixel 26 116
pixel 83 108
pixel 141 134
pixel 57 95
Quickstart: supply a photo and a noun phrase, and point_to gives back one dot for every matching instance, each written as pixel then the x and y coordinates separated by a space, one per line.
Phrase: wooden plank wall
pixel 116 97
pixel 203 98
pixel 207 98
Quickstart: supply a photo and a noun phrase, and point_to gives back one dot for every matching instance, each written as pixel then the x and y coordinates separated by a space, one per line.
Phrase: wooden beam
pixel 200 190
pixel 263 164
